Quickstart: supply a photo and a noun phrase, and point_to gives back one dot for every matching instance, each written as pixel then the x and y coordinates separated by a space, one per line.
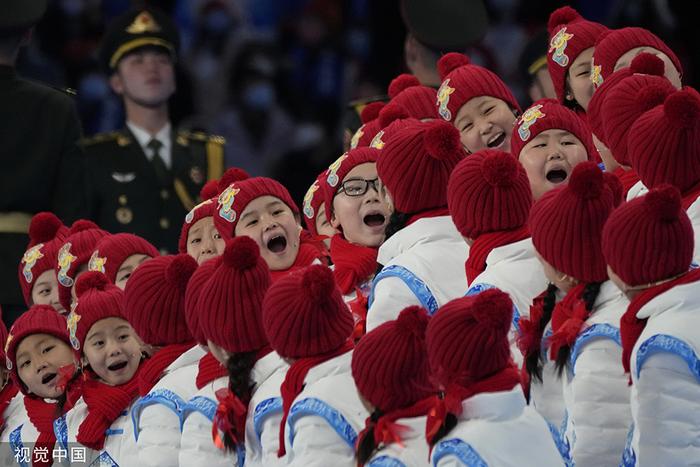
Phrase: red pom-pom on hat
pixel 44 227
pixel 450 62
pixel 647 64
pixel 413 320
pixel 318 282
pixel 81 225
pixel 560 17
pixel 91 280
pixel 390 113
pixel 401 82
pixel 234 174
pixel 682 108
pixel 209 190
pixel 371 111
pixel 664 203
pixel 493 309
pixel 650 96
pixel 586 180
pixel 180 269
pixel 500 169
pixel 441 140
pixel 241 253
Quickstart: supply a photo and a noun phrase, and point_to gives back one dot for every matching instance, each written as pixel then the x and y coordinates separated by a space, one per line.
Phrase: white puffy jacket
pixel 665 396
pixel 158 415
pixel 423 265
pixel 596 390
pixel 18 434
pixel 413 451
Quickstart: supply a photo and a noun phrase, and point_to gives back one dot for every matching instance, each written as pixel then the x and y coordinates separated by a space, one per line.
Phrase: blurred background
pixel 275 77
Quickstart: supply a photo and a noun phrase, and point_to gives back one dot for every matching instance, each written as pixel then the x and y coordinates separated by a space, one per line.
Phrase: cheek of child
pixel 39 359
pixel 363 219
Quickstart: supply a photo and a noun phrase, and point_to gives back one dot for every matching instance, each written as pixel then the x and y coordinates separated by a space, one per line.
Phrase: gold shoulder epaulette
pixel 120 138
pixel 183 136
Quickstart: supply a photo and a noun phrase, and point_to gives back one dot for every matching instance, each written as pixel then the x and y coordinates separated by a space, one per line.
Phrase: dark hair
pixel 570 104
pixel 239 367
pixel 367 444
pixel 397 221
pixel 447 425
pixel 533 361
pixel 589 296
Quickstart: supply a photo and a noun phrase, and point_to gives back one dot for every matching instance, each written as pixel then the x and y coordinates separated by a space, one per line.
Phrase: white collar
pixel 144 137
pixel 500 405
pixel 425 230
pixel 679 297
pixel 334 366
pixel 267 365
pixel 522 249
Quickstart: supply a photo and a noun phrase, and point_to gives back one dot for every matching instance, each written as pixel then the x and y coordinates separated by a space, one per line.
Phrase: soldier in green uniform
pixel 146 177
pixel 42 163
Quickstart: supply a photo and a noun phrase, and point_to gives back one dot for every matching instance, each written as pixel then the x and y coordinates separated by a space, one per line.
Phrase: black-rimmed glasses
pixel 359 186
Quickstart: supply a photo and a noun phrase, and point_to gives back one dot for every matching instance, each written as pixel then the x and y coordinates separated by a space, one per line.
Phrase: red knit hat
pixel 642 90
pixel 467 339
pixel 569 35
pixel 313 200
pixel 338 170
pixel 111 251
pixel 370 125
pixel 664 143
pixel 39 319
pixel 392 118
pixel 231 309
pixel 194 289
pixel 75 251
pixel 155 299
pixel 567 223
pixel 416 163
pixel 488 192
pixel 548 114
pixel 594 113
pixel 419 101
pixel 235 197
pixel 390 364
pixel 616 42
pixel 98 299
pixel 304 314
pixel 46 235
pixel 462 81
pixel 649 238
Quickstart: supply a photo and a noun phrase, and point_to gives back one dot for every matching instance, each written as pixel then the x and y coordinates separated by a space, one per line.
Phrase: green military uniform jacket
pixel 124 194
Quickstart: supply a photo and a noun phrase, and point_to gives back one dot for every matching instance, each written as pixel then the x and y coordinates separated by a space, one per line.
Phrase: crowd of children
pixel 473 285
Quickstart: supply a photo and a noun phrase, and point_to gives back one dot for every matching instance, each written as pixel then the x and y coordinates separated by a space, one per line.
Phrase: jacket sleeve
pixel 665 412
pixel 316 444
pixel 263 452
pixel 197 448
pixel 391 295
pixel 159 435
pixel 598 404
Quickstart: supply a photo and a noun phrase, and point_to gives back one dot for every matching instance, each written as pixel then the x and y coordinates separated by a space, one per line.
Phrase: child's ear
pixel 334 221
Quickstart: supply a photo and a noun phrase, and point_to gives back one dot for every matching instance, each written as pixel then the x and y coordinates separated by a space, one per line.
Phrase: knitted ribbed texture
pixel 155 299
pixel 419 101
pixel 312 202
pixel 194 288
pixel 488 192
pixel 111 251
pixel 98 299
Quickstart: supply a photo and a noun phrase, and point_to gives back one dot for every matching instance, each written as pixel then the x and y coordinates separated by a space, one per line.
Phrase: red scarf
pixel 485 243
pixel 690 196
pixel 628 178
pixel 568 318
pixel 358 308
pixel 435 212
pixel 105 404
pixel 42 415
pixel 631 327
pixel 529 337
pixel 8 392
pixel 354 264
pixel 153 368
pixel 210 369
pixel 307 254
pixel 451 403
pixel 231 413
pixel 294 383
pixel 386 431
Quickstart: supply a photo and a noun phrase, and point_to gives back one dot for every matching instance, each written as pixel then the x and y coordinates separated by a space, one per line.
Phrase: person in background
pixel 533 68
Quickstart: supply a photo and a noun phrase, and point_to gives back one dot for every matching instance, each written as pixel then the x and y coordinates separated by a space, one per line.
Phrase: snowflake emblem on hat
pixel 308 198
pixel 377 142
pixel 443 99
pixel 558 46
pixel 190 215
pixel 72 320
pixel 356 137
pixel 226 199
pixel 332 178
pixel 65 259
pixel 31 256
pixel 528 119
pixel 596 76
pixel 8 362
pixel 96 262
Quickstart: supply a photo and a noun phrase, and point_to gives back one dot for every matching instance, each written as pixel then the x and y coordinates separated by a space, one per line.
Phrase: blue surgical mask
pixel 259 96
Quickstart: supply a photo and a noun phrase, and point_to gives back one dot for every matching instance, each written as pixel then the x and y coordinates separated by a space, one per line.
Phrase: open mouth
pixel 117 366
pixel 497 140
pixel 48 377
pixel 374 220
pixel 556 175
pixel 277 244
